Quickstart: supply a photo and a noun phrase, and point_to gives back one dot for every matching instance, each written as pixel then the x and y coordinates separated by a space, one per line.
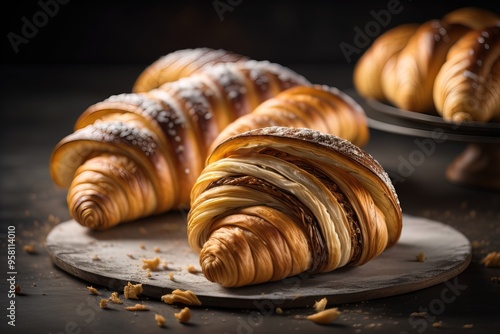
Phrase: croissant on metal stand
pixel 138 154
pixel 403 64
pixel 279 201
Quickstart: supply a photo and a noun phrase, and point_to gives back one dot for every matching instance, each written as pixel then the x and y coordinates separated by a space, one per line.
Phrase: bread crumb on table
pixel 115 299
pixel 132 291
pixel 421 257
pixel 320 304
pixel 325 316
pixel 30 249
pixel 137 307
pixel 93 290
pixel 468 326
pixel 179 296
pixel 279 310
pixel 156 249
pixel 103 303
pixel 437 324
pixel 151 264
pixel 160 320
pixel 183 315
pixel 192 269
pixel 492 259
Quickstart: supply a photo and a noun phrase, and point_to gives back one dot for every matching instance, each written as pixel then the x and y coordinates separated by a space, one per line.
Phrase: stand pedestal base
pixel 478 165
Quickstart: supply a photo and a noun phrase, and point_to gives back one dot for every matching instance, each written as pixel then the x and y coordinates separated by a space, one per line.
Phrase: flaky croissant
pixel 368 69
pixel 138 154
pixel 404 73
pixel 279 201
pixel 317 107
pixel 467 87
pixel 180 64
pixel 408 79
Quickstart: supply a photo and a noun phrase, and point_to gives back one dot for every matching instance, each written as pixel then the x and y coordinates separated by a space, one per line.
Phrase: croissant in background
pixel 407 72
pixel 138 154
pixel 467 87
pixel 278 201
pixel 180 64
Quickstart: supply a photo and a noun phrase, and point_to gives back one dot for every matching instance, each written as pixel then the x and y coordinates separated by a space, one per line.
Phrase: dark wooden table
pixel 39 106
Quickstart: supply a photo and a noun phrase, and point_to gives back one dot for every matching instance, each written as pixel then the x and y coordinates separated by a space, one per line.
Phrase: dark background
pixel 133 32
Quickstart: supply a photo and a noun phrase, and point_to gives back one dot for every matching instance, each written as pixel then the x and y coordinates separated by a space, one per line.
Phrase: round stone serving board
pixel 112 258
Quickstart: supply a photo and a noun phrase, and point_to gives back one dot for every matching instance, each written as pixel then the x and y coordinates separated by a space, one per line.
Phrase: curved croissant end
pixel 278 201
pixel 316 107
pixel 152 146
pixel 467 87
pixel 409 79
pixel 472 17
pixel 368 69
pixel 180 64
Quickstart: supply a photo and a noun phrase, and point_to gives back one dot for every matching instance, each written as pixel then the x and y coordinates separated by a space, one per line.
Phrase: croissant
pixel 408 80
pixel 278 201
pixel 180 64
pixel 317 107
pixel 467 87
pixel 368 69
pixel 404 73
pixel 138 154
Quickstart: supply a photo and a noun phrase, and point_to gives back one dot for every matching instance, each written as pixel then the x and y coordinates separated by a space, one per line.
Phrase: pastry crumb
pixel 30 249
pixel 132 291
pixel 131 256
pixel 183 315
pixel 157 250
pixel 142 246
pixel 191 269
pixel 437 324
pixel 279 310
pixel 137 307
pixel 492 259
pixel 96 258
pixel 179 296
pixel 93 290
pixel 421 257
pixel 148 273
pixel 171 276
pixel 320 305
pixel 418 314
pixel 325 316
pixel 115 299
pixel 468 326
pixel 160 320
pixel 151 264
pixel 103 303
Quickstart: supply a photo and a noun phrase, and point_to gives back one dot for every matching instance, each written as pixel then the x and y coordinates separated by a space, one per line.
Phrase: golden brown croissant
pixel 467 87
pixel 368 69
pixel 279 201
pixel 138 154
pixel 317 107
pixel 408 79
pixel 180 64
